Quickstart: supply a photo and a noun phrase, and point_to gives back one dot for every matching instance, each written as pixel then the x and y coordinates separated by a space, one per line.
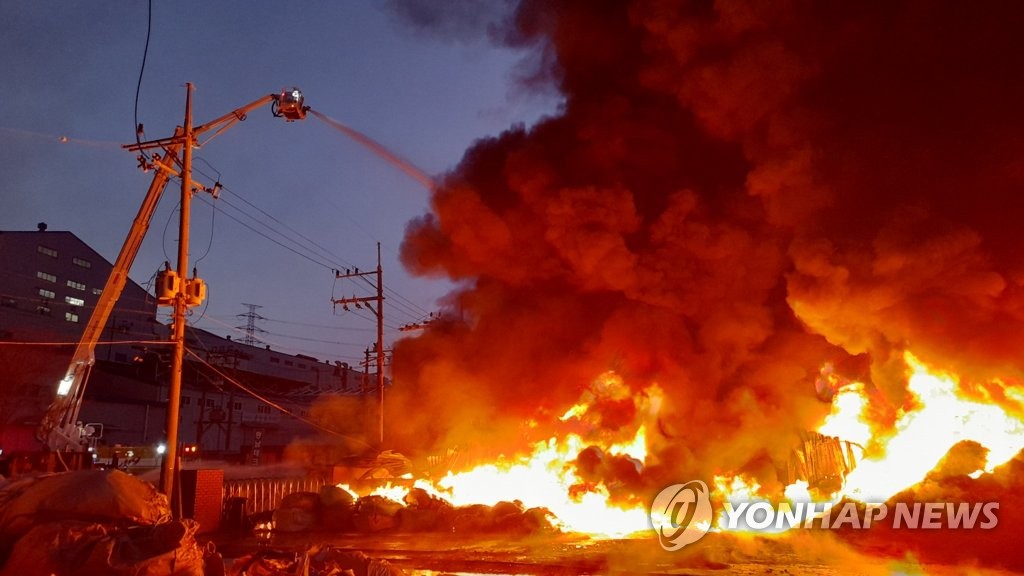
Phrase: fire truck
pixel 67 442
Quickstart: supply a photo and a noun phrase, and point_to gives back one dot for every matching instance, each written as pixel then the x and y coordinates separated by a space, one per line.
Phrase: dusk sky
pixel 70 70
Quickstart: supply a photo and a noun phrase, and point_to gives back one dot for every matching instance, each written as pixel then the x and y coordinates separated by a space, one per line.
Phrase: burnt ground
pixel 799 554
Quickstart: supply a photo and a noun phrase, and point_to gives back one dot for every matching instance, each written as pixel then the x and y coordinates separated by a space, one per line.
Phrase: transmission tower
pixel 250 324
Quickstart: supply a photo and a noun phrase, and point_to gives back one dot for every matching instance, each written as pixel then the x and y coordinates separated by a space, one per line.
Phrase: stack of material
pixel 335 510
pixel 93 522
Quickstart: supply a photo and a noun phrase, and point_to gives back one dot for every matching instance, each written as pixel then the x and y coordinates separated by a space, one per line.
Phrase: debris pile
pixel 336 510
pixel 317 561
pixel 94 522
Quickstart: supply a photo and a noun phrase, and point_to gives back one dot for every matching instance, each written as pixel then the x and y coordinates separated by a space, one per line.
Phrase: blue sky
pixel 70 69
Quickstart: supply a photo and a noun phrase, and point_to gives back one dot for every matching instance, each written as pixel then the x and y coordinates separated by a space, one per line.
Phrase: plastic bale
pixel 420 498
pixel 418 520
pixel 53 548
pixel 74 548
pixel 308 501
pixel 337 508
pixel 335 496
pixel 473 518
pixel 184 559
pixel 104 496
pixel 375 513
pixel 293 520
pixel 298 512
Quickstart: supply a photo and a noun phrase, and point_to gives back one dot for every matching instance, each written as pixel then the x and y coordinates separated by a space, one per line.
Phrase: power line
pixel 76 342
pixel 309 325
pixel 269 402
pixel 308 339
pixel 289 248
pixel 404 304
pixel 138 85
pixel 274 343
pixel 62 139
pixel 300 234
pixel 324 253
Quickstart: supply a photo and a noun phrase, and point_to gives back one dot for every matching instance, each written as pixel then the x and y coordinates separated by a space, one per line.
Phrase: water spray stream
pixel 380 150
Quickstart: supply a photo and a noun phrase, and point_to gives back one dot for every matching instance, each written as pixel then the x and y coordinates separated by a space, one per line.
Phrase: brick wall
pixel 202 492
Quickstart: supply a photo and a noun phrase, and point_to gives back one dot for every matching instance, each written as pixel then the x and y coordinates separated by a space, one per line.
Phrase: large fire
pixel 889 457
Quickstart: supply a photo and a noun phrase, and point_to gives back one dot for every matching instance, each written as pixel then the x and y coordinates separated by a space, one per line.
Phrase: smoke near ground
pixel 733 194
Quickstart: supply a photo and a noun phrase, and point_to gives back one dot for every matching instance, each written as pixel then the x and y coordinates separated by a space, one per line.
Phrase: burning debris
pixel 316 561
pixel 776 214
pixel 821 461
pixel 404 510
pixel 732 195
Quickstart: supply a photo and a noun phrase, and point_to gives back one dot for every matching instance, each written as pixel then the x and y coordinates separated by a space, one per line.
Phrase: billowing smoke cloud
pixel 733 194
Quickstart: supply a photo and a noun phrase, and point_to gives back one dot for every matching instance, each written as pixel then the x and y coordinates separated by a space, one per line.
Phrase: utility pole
pixel 378 310
pixel 169 466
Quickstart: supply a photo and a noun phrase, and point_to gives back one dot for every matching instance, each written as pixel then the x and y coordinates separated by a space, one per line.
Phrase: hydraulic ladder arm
pixel 60 429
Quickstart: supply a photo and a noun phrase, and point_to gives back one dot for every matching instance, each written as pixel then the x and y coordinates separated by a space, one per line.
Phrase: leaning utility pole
pixel 170 463
pixel 378 310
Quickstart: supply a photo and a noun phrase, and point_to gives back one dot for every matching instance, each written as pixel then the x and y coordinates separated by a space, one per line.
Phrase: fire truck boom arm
pixel 59 428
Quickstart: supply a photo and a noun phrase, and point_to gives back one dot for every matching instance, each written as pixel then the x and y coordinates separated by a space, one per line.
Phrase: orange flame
pixel 892 459
pixel 899 458
pixel 923 435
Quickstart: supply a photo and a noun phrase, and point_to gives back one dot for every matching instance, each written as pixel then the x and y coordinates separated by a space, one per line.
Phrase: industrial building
pixel 239 402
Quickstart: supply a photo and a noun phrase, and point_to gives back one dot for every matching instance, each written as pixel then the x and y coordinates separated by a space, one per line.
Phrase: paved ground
pixel 805 554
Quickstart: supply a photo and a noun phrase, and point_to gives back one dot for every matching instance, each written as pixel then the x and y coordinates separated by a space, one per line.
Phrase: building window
pixel 301 365
pixel 46 276
pixel 97 291
pixel 43 309
pixel 71 317
pixel 288 363
pixel 275 360
pixel 47 250
pixel 47 293
pixel 82 262
pixel 69 299
pixel 186 400
pixel 263 409
pixel 209 402
pixel 75 285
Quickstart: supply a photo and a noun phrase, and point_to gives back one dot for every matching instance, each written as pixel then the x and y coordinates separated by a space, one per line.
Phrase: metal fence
pixel 265 494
